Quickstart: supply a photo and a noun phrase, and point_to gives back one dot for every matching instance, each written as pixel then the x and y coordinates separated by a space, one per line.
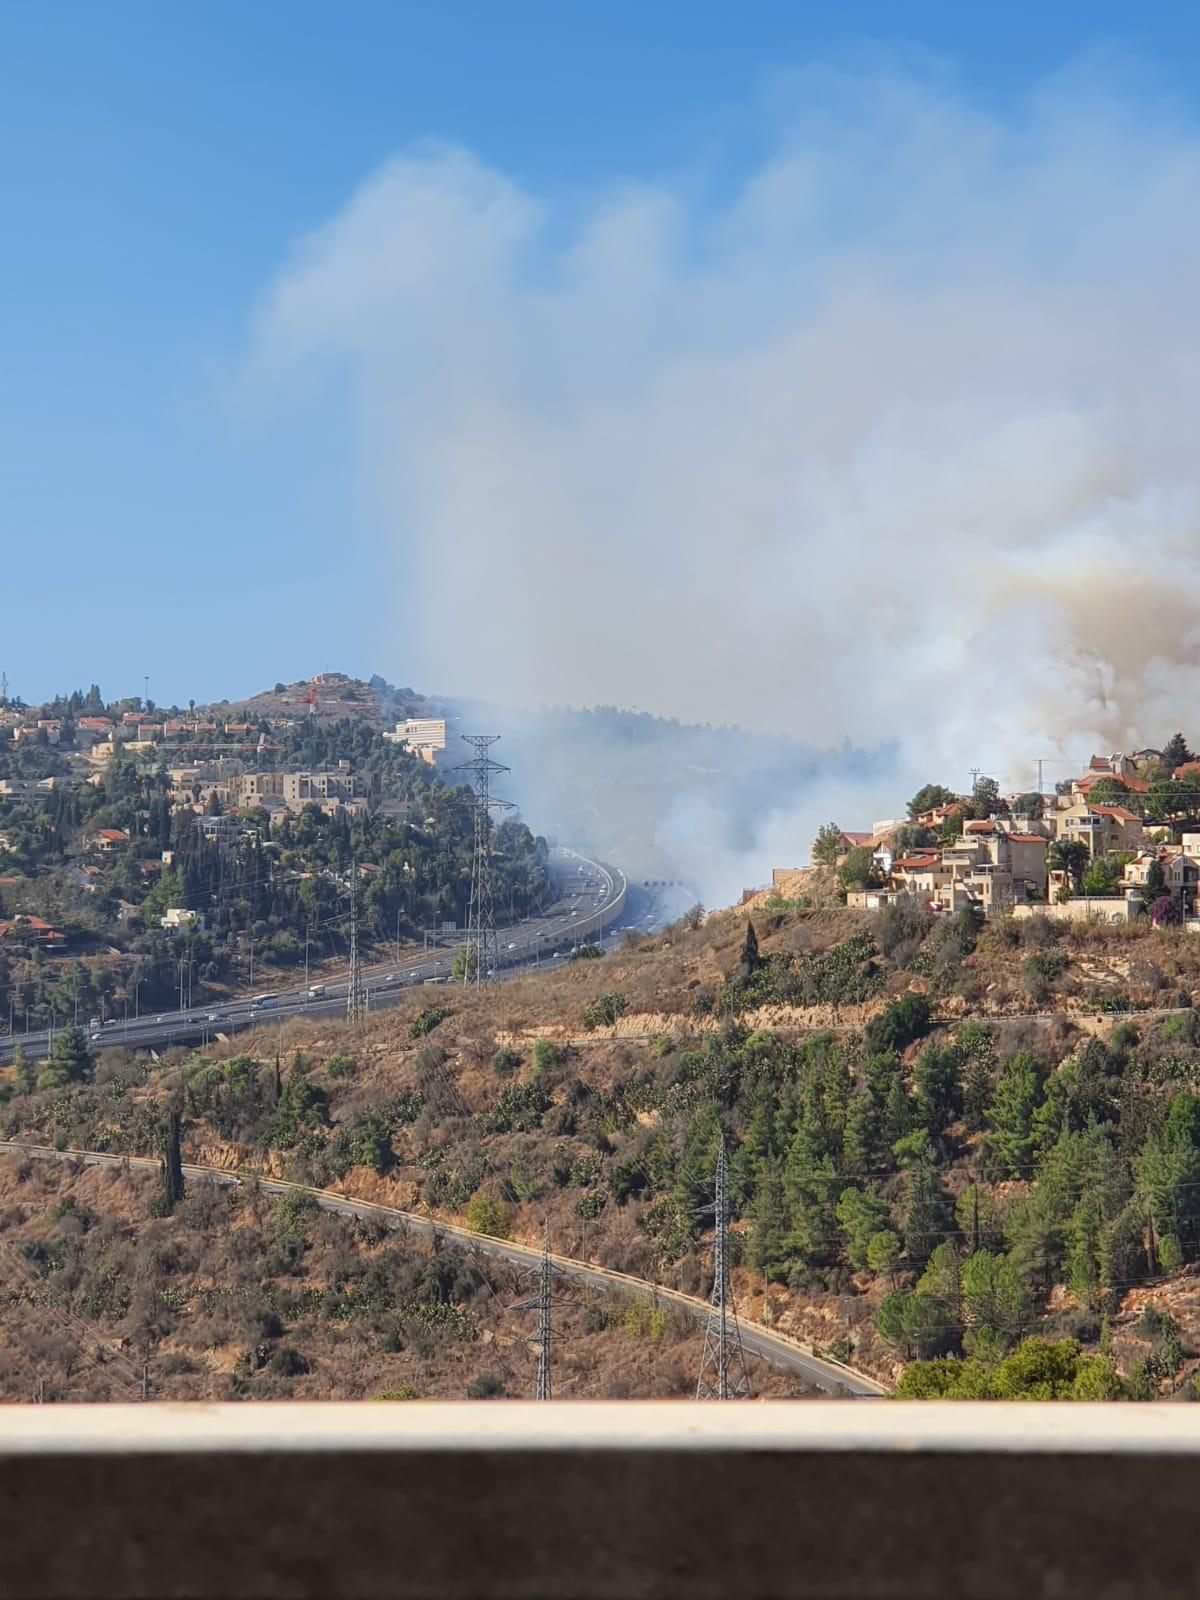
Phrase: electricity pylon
pixel 356 989
pixel 482 947
pixel 542 1339
pixel 723 1365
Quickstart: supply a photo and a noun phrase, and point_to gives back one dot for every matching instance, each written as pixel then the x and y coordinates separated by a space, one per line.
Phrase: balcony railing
pixel 879 1500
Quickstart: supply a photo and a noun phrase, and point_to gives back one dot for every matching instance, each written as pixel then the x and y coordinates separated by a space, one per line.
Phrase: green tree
pixel 938 1087
pixel 24 1071
pixel 695 1176
pixel 914 1323
pixel 1122 1252
pixel 995 1303
pixel 750 961
pixel 861 1214
pixel 1167 1170
pixel 1176 752
pixel 942 1279
pixel 859 870
pixel 828 845
pixel 1070 856
pixel 977 1219
pixel 1102 876
pixel 172 1188
pixel 768 1253
pixel 985 798
pixel 1038 1369
pixel 926 1211
pixel 487 1214
pixel 71 1061
pixel 1010 1115
pixel 883 1252
pixel 929 797
pixel 1108 792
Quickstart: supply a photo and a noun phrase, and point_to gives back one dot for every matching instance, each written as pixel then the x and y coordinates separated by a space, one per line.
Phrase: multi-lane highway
pixel 590 901
pixel 822 1372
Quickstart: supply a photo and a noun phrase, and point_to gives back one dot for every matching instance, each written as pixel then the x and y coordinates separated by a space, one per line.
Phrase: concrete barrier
pixel 518 1500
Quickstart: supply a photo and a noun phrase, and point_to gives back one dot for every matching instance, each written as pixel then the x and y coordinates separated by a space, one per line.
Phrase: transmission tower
pixel 542 1338
pixel 356 989
pixel 723 1366
pixel 482 946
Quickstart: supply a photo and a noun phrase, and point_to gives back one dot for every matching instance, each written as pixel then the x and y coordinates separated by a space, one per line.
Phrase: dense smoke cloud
pixel 897 443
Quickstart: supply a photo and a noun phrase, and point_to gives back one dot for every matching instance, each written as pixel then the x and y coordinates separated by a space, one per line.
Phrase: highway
pixel 820 1371
pixel 590 898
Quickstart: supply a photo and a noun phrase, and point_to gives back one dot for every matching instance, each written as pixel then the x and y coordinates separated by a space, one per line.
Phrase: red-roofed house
pixel 32 930
pixel 109 838
pixel 1103 828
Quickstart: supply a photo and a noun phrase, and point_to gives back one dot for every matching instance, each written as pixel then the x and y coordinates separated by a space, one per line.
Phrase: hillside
pixel 943 1139
pixel 238 1297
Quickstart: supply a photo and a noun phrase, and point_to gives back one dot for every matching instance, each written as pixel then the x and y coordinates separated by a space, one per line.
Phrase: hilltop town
pixel 1118 842
pixel 151 856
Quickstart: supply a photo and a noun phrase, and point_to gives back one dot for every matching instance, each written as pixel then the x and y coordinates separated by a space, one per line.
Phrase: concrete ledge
pixel 575 1500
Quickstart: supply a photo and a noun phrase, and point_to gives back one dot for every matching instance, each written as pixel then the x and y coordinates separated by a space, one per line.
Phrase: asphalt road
pixel 590 897
pixel 781 1351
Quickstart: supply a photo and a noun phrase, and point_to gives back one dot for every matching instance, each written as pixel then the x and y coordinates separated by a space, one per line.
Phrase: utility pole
pixel 482 946
pixel 723 1365
pixel 356 989
pixel 543 1326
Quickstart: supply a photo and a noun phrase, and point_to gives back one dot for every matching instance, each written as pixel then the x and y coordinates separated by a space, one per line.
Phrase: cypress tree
pixel 172 1164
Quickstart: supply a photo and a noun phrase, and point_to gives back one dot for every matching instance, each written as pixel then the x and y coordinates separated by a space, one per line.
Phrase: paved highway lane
pixel 831 1376
pixel 591 896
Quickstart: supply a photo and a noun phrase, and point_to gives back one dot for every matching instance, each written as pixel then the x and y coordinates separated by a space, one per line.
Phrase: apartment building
pixel 424 736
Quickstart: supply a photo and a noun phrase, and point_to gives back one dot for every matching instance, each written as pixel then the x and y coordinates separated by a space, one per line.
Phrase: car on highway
pixel 415 973
pixel 392 977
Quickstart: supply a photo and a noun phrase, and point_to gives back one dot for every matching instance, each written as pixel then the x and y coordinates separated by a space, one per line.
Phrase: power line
pixel 723 1364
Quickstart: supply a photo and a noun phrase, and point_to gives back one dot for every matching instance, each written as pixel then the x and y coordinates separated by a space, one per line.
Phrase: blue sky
pixel 159 164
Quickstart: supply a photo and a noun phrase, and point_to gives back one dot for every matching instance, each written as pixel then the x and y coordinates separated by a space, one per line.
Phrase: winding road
pixel 821 1371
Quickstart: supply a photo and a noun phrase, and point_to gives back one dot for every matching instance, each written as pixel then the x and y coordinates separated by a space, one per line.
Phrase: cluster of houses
pixel 1008 862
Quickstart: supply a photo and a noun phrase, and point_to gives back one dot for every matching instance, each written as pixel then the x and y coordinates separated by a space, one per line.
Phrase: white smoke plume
pixel 896 443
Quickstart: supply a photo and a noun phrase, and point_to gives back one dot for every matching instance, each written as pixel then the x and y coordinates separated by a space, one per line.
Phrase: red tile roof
pixel 1118 813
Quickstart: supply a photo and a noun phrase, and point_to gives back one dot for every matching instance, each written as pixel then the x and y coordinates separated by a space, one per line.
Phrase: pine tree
pixel 1176 752
pixel 768 1254
pixel 926 1211
pixel 24 1071
pixel 898 1119
pixel 71 1061
pixel 1086 1225
pixel 860 1135
pixel 1010 1114
pixel 938 1090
